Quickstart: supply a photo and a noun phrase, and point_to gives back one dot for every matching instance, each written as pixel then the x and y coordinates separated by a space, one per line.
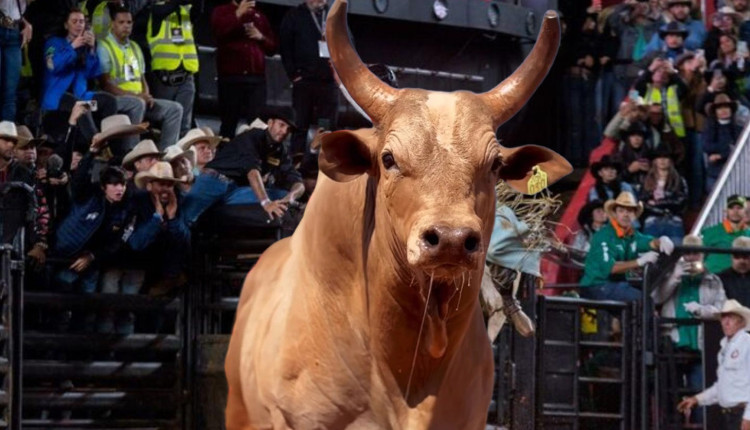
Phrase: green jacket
pixel 718 236
pixel 607 249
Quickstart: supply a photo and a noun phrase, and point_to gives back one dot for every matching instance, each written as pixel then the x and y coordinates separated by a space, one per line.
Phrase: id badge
pixel 177 36
pixel 323 49
pixel 129 73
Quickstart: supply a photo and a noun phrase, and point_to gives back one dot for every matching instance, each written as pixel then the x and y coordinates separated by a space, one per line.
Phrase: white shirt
pixel 10 8
pixel 733 376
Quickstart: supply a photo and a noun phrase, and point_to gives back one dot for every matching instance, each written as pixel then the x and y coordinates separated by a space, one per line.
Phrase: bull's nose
pixel 442 244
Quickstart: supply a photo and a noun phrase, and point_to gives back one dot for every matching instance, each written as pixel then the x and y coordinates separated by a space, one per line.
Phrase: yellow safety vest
pixel 173 44
pixel 126 69
pixel 99 20
pixel 674 114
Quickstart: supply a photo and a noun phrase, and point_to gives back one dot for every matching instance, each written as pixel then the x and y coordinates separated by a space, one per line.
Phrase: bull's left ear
pixel 346 155
pixel 519 171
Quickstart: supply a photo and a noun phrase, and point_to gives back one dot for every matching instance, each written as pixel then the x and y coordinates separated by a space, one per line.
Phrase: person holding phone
pixel 243 40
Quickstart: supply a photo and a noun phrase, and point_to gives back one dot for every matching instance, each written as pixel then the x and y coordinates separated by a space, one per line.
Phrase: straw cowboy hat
pixel 197 135
pixel 26 138
pixel 175 151
pixel 8 131
pixel 161 171
pixel 692 240
pixel 625 200
pixel 142 149
pixel 741 242
pixel 732 306
pixel 116 126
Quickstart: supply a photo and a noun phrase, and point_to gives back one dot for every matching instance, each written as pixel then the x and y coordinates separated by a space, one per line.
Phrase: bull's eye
pixel 497 164
pixel 388 161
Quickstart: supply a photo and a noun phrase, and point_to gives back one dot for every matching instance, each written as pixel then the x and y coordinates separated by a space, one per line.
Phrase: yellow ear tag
pixel 538 180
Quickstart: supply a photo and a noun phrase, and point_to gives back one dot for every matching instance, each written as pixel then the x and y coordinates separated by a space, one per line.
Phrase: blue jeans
pixel 10 72
pixel 245 195
pixel 208 189
pixel 658 227
pixel 119 281
pixel 619 291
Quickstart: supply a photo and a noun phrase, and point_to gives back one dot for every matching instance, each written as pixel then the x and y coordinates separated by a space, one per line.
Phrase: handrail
pixel 718 190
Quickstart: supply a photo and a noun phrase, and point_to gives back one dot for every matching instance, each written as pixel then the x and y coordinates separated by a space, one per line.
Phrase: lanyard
pixel 319 25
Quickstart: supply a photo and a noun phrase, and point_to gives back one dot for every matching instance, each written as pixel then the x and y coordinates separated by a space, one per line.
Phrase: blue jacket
pixel 65 73
pixel 88 216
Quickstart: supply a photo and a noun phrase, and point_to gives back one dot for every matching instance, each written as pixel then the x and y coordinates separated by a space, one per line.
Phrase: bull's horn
pixel 374 96
pixel 510 95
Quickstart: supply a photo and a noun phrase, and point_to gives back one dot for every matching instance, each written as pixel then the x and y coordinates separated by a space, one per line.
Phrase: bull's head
pixel 434 155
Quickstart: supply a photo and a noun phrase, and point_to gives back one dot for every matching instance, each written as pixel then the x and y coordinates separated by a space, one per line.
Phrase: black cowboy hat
pixel 673 27
pixel 606 161
pixel 586 215
pixel 636 128
pixel 284 113
pixel 661 151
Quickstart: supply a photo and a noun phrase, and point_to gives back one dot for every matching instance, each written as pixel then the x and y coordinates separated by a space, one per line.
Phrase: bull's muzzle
pixel 441 246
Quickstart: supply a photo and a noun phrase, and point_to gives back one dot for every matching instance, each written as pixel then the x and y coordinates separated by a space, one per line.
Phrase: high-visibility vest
pixel 122 59
pixel 671 105
pixel 100 19
pixel 166 52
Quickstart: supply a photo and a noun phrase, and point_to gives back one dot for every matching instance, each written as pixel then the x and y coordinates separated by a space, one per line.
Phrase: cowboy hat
pixel 161 171
pixel 197 135
pixel 673 27
pixel 661 151
pixel 26 138
pixel 606 161
pixel 730 12
pixel 284 113
pixel 625 200
pixel 115 126
pixel 721 100
pixel 142 149
pixel 586 215
pixel 175 151
pixel 732 306
pixel 8 131
pixel 671 3
pixel 692 240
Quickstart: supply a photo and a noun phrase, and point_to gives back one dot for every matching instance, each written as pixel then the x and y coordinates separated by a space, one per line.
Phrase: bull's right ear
pixel 345 155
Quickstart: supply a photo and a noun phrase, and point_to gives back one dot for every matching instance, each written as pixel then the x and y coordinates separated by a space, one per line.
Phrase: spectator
pixel 720 81
pixel 690 67
pixel 694 30
pixel 660 84
pixel 732 388
pixel 258 158
pixel 98 12
pixel 736 278
pixel 614 252
pixel 662 133
pixel 580 85
pixel 669 43
pixel 634 155
pixel 719 137
pixel 607 172
pixel 725 21
pixel 26 154
pixel 204 143
pixel 142 157
pixel 722 235
pixel 739 8
pixel 182 162
pixel 161 237
pixel 15 33
pixel 13 171
pixel 174 56
pixel 630 112
pixel 243 40
pixel 634 26
pixel 591 218
pixel 664 192
pixel 304 53
pixel 689 292
pixel 124 76
pixel 733 61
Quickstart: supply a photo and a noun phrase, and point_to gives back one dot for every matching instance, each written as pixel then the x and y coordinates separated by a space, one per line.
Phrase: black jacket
pixel 736 285
pixel 299 38
pixel 252 150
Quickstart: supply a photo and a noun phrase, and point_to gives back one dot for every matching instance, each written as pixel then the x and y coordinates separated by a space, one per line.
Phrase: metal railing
pixel 734 179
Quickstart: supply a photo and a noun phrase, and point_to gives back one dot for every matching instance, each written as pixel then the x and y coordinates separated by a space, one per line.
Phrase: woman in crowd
pixel 608 181
pixel 591 218
pixel 733 61
pixel 719 137
pixel 634 154
pixel 664 194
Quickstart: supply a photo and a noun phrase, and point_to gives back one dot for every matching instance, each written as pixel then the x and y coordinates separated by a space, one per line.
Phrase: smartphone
pixel 633 95
pixel 92 105
pixel 742 48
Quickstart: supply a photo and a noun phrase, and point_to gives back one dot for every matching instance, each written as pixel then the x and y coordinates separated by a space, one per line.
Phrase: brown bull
pixel 368 317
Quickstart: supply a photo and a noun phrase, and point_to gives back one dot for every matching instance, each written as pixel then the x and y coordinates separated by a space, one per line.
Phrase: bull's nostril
pixel 472 243
pixel 431 237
